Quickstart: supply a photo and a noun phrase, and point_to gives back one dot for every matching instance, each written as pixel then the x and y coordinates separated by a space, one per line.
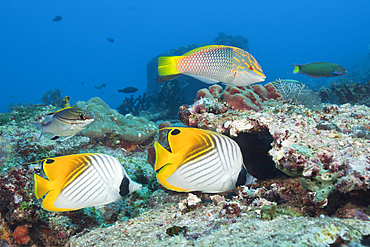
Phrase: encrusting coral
pixel 241 98
pixel 304 143
pixel 107 121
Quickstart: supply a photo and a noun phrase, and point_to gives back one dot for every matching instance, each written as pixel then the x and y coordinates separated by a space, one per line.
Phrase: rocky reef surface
pixel 312 168
pixel 328 149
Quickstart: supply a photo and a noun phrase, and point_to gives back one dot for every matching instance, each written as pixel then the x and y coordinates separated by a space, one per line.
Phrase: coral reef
pixel 107 121
pixel 241 98
pixel 235 222
pixel 345 91
pixel 302 147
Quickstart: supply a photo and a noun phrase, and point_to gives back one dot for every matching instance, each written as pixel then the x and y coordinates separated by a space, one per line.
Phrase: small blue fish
pixel 68 122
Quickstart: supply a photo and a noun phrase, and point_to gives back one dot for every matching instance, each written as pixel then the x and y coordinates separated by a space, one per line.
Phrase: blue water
pixel 38 54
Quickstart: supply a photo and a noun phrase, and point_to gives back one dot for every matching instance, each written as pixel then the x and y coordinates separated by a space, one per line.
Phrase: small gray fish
pixel 128 90
pixel 68 122
pixel 57 18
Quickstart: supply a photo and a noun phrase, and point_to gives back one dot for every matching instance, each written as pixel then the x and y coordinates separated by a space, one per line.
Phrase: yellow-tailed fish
pixel 68 122
pixel 212 64
pixel 65 101
pixel 82 180
pixel 320 69
pixel 198 160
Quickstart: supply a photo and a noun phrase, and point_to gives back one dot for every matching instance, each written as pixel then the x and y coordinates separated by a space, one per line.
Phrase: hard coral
pixel 108 121
pixel 242 98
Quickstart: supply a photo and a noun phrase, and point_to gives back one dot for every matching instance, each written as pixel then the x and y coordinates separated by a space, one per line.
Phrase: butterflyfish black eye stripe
pixel 175 132
pixel 82 180
pixel 200 160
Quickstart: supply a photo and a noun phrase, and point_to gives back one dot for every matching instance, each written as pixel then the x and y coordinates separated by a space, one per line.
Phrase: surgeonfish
pixel 198 160
pixel 320 69
pixel 68 122
pixel 82 180
pixel 212 64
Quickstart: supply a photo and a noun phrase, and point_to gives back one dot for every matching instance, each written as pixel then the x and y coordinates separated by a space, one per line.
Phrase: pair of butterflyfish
pixel 82 180
pixel 67 122
pixel 212 64
pixel 198 160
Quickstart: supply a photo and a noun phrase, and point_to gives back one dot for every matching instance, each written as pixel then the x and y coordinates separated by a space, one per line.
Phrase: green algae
pixel 302 150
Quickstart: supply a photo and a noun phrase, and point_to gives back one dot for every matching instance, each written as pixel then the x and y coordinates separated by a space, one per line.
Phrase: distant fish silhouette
pixel 110 40
pixel 57 18
pixel 128 90
pixel 99 87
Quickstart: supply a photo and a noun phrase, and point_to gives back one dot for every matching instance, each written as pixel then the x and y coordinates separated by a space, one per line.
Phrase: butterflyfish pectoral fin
pixel 41 186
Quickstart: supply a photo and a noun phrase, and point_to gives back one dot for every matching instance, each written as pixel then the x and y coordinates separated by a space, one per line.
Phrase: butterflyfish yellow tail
pixel 41 186
pixel 167 66
pixel 296 69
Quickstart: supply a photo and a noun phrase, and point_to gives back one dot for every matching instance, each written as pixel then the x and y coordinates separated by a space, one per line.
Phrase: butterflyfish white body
pixel 82 180
pixel 198 160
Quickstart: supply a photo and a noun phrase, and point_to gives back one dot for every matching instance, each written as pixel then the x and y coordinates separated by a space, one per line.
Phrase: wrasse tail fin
pixel 296 68
pixel 166 66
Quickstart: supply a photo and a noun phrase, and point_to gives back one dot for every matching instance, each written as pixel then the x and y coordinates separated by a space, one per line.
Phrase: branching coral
pixel 297 92
pixel 52 97
pixel 134 105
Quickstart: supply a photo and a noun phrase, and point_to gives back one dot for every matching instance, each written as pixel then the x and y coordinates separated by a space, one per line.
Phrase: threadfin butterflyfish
pixel 82 180
pixel 212 64
pixel 194 159
pixel 320 69
pixel 68 122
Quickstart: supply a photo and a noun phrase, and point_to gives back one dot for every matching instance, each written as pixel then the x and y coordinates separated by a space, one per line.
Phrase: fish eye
pixel 251 67
pixel 82 117
pixel 49 161
pixel 234 71
pixel 175 132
